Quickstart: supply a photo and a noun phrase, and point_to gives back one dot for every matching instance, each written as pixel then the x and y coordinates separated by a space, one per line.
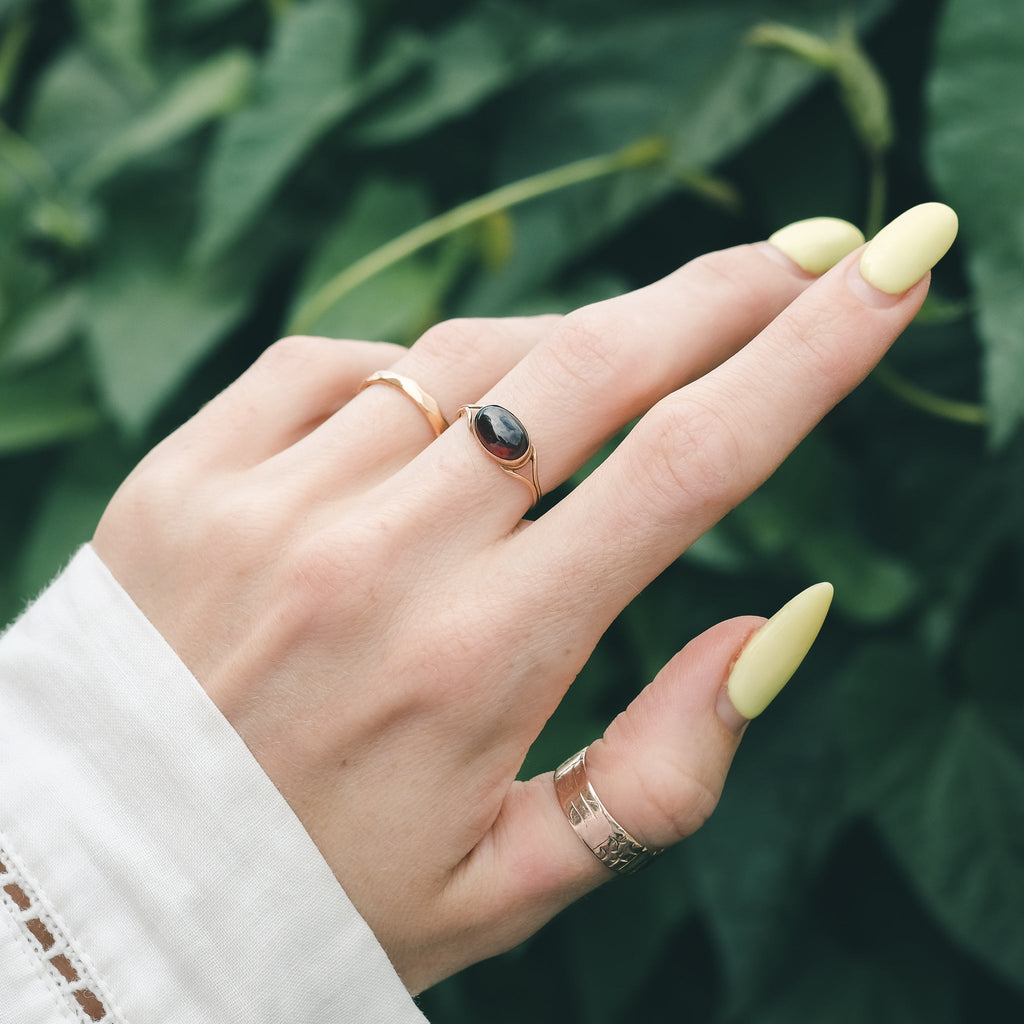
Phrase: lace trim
pixel 67 971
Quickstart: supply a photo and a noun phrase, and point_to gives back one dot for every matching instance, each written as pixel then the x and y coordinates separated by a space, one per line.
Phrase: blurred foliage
pixel 180 182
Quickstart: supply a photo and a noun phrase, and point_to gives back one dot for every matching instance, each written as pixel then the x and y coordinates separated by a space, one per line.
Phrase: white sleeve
pixel 149 870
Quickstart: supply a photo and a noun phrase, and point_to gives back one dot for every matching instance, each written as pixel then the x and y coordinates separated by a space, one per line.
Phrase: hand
pixel 369 609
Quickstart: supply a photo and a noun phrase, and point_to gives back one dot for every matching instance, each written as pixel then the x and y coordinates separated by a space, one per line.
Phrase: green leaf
pixel 45 405
pixel 461 66
pixel 966 841
pixel 74 106
pixel 151 316
pixel 200 12
pixel 606 983
pixel 70 509
pixel 782 790
pixel 42 419
pixel 986 651
pixel 9 7
pixel 976 145
pixel 826 984
pixel 203 93
pixel 43 330
pixel 622 80
pixel 119 31
pixel 306 85
pixel 945 789
pixel 32 198
pixel 804 516
pixel 397 303
pixel 13 39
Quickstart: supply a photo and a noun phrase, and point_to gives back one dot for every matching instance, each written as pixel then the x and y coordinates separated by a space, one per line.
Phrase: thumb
pixel 662 763
pixel 658 770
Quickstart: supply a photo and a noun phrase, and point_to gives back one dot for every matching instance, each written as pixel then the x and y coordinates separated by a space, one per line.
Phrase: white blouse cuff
pixel 137 829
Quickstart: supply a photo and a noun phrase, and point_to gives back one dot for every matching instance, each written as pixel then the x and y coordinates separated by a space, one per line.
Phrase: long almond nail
pixel 908 247
pixel 817 244
pixel 775 651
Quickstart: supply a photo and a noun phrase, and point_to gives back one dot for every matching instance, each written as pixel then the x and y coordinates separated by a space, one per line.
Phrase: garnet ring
pixel 427 405
pixel 504 438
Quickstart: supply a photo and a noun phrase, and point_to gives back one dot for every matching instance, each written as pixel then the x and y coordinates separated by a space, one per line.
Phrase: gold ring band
pixel 503 438
pixel 427 405
pixel 606 839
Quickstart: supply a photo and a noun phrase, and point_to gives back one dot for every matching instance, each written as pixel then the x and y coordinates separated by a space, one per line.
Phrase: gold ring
pixel 606 839
pixel 504 438
pixel 427 405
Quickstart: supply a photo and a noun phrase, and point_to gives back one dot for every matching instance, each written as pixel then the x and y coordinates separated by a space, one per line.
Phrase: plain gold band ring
pixel 427 405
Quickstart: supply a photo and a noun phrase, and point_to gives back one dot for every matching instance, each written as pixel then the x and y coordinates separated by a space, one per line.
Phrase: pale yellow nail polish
pixel 908 247
pixel 776 650
pixel 818 243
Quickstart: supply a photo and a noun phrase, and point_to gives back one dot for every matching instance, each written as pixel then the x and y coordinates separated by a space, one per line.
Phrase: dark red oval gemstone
pixel 501 433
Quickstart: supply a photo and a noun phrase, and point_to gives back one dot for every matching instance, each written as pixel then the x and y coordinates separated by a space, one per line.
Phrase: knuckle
pixel 725 277
pixel 160 481
pixel 295 350
pixel 453 341
pixel 723 268
pixel 587 346
pixel 305 352
pixel 233 524
pixel 694 455
pixel 353 571
pixel 681 800
pixel 813 349
pixel 338 572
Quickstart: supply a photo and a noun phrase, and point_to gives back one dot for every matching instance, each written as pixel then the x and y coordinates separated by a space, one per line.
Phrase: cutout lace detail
pixel 70 976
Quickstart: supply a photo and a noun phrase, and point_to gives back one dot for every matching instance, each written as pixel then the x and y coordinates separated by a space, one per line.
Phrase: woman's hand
pixel 370 611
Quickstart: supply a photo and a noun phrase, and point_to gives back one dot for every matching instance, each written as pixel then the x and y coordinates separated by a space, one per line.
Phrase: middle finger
pixel 605 364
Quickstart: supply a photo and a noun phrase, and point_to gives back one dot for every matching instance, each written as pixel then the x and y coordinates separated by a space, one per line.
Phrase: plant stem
pixel 892 380
pixel 878 187
pixel 640 154
pixel 11 48
pixel 927 401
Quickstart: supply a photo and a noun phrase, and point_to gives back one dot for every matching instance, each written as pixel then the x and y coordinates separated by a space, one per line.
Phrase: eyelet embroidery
pixel 55 949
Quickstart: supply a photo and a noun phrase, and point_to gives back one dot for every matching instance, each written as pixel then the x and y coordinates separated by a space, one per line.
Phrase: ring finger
pixel 382 429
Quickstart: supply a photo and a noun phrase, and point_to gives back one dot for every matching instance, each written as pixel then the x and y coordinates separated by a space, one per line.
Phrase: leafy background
pixel 180 182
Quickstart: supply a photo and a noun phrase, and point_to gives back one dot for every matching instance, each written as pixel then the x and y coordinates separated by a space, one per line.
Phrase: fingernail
pixel 775 651
pixel 907 248
pixel 817 244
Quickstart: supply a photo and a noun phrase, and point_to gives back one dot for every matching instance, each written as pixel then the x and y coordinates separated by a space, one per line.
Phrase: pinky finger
pixel 295 384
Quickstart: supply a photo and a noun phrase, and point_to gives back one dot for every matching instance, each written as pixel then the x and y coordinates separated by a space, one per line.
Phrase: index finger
pixel 607 363
pixel 701 450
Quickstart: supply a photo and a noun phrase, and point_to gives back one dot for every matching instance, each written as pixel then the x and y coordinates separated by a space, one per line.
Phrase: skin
pixel 370 611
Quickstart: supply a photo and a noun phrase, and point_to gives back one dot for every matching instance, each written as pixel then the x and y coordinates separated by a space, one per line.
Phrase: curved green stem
pixel 12 46
pixel 641 154
pixel 894 382
pixel 927 401
pixel 878 187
